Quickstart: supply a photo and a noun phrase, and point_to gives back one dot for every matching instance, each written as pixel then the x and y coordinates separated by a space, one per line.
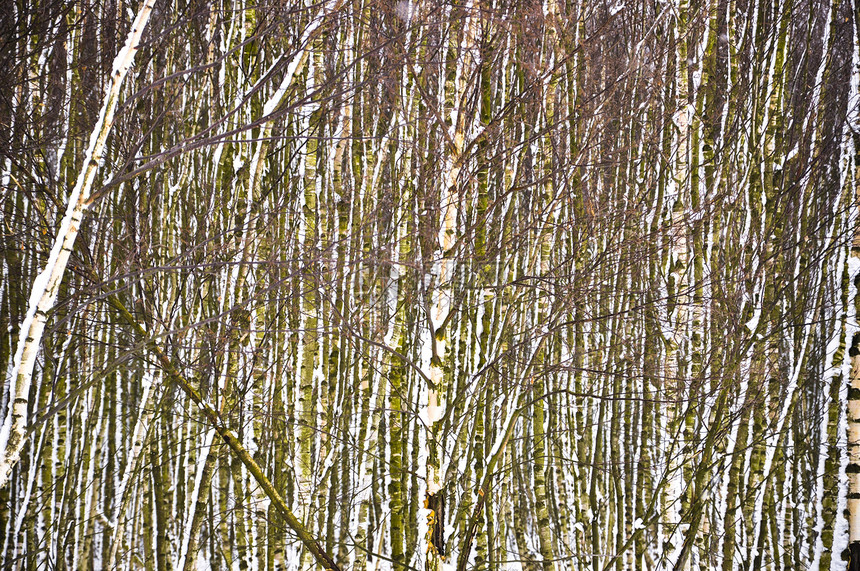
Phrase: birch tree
pixel 419 285
pixel 46 286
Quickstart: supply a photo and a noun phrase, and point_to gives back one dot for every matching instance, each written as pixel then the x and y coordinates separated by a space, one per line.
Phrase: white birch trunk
pixel 47 284
pixel 139 436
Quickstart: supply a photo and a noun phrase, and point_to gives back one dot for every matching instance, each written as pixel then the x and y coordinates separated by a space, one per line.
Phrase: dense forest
pixel 429 284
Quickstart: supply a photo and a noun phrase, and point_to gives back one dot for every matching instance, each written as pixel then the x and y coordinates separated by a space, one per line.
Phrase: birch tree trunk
pixel 574 280
pixel 46 286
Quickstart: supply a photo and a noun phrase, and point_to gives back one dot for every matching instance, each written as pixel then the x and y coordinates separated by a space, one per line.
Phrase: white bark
pixel 180 562
pixel 139 436
pixel 47 284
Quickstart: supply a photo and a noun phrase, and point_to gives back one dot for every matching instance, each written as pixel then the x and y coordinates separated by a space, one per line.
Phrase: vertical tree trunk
pixel 47 285
pixel 852 471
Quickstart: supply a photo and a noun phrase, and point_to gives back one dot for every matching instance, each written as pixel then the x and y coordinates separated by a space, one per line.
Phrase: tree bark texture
pixel 416 285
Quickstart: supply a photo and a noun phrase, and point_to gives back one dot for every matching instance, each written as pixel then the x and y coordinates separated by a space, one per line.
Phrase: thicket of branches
pixel 559 285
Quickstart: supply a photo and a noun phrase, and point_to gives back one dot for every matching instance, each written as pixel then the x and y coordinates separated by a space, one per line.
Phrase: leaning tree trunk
pixel 47 284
